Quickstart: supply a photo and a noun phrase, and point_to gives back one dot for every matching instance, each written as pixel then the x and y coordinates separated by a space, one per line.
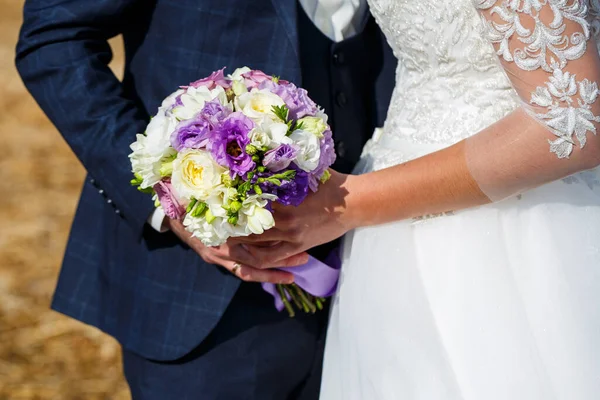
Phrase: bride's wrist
pixel 354 215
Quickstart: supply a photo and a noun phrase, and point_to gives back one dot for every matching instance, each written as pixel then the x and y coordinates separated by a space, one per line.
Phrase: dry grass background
pixel 43 355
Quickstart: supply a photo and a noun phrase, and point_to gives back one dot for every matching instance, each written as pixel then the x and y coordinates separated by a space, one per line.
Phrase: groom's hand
pixel 321 218
pixel 231 254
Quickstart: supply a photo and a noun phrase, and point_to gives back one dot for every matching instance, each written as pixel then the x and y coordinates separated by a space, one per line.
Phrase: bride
pixel 472 266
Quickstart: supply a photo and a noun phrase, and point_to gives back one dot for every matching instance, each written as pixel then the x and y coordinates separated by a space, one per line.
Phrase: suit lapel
pixel 287 13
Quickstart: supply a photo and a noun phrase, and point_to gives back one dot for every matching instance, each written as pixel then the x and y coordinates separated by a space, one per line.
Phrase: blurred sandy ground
pixel 43 355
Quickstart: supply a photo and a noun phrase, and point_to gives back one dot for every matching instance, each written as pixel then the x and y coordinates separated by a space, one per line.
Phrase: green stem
pixel 286 303
pixel 319 303
pixel 304 298
pixel 293 296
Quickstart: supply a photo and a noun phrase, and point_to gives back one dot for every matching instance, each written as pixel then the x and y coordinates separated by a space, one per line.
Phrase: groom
pixel 189 328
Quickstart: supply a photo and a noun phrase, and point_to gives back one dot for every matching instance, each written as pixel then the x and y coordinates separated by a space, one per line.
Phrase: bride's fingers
pixel 283 254
pixel 270 236
pixel 250 274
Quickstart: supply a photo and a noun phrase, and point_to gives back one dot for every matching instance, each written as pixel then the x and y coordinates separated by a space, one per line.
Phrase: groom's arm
pixel 62 57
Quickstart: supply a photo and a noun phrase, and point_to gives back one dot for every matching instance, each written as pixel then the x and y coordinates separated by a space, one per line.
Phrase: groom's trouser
pixel 254 353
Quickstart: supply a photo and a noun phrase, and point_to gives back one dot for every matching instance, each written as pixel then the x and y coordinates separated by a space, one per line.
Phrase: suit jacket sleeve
pixel 62 57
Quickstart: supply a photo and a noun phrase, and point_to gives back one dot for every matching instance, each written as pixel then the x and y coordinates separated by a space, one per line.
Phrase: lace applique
pixel 548 47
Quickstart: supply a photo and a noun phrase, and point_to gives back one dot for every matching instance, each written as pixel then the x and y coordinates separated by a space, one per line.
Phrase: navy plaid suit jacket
pixel 155 295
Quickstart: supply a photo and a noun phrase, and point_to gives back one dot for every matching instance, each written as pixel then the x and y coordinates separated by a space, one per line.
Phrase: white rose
pixel 258 104
pixel 196 174
pixel 237 74
pixel 193 100
pixel 310 149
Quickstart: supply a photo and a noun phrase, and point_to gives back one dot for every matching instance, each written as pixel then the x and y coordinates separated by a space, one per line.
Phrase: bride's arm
pixel 548 51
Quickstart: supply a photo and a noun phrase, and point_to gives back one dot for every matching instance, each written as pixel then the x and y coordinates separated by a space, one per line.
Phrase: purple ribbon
pixel 315 277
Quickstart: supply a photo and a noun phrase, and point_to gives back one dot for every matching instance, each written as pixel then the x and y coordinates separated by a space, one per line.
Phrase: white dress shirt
pixel 337 19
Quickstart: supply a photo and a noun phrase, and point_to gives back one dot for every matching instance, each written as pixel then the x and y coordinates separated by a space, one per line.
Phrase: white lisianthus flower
pixel 314 125
pixel 258 105
pixel 152 149
pixel 259 138
pixel 237 74
pixel 196 174
pixel 254 217
pixel 277 132
pixel 193 100
pixel 309 149
pixel 171 99
pixel 239 88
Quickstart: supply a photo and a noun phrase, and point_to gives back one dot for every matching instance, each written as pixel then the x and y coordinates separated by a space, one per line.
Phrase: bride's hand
pixel 321 218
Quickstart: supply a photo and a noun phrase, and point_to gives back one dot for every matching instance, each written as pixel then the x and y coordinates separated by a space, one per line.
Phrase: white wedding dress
pixel 500 302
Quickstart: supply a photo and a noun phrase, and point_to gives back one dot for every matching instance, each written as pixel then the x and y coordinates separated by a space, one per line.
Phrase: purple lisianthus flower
pixel 280 158
pixel 292 192
pixel 215 112
pixel 191 134
pixel 217 78
pixel 168 200
pixel 326 160
pixel 295 98
pixel 228 144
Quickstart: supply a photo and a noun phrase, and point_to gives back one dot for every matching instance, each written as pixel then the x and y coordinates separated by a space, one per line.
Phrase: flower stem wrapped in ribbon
pixel 221 150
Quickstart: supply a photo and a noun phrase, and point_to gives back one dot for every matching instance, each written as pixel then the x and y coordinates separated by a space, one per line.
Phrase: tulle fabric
pixel 496 303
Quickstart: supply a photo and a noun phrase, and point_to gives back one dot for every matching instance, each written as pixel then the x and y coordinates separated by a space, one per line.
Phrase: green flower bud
pixel 255 158
pixel 233 220
pixel 261 168
pixel 325 177
pixel 226 179
pixel 199 209
pixel 166 169
pixel 191 205
pixel 235 206
pixel 257 189
pixel 251 149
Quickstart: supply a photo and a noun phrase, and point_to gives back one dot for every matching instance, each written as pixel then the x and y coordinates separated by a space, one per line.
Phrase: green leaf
pixel 281 112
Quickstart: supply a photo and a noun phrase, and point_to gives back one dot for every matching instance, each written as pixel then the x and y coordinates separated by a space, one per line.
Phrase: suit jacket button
pixel 341 149
pixel 338 58
pixel 109 201
pixel 101 191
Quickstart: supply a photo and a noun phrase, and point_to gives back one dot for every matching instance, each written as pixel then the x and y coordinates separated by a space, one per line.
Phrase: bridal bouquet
pixel 221 150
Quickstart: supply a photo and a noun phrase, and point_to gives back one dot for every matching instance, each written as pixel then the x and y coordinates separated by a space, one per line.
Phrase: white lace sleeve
pixel 548 51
